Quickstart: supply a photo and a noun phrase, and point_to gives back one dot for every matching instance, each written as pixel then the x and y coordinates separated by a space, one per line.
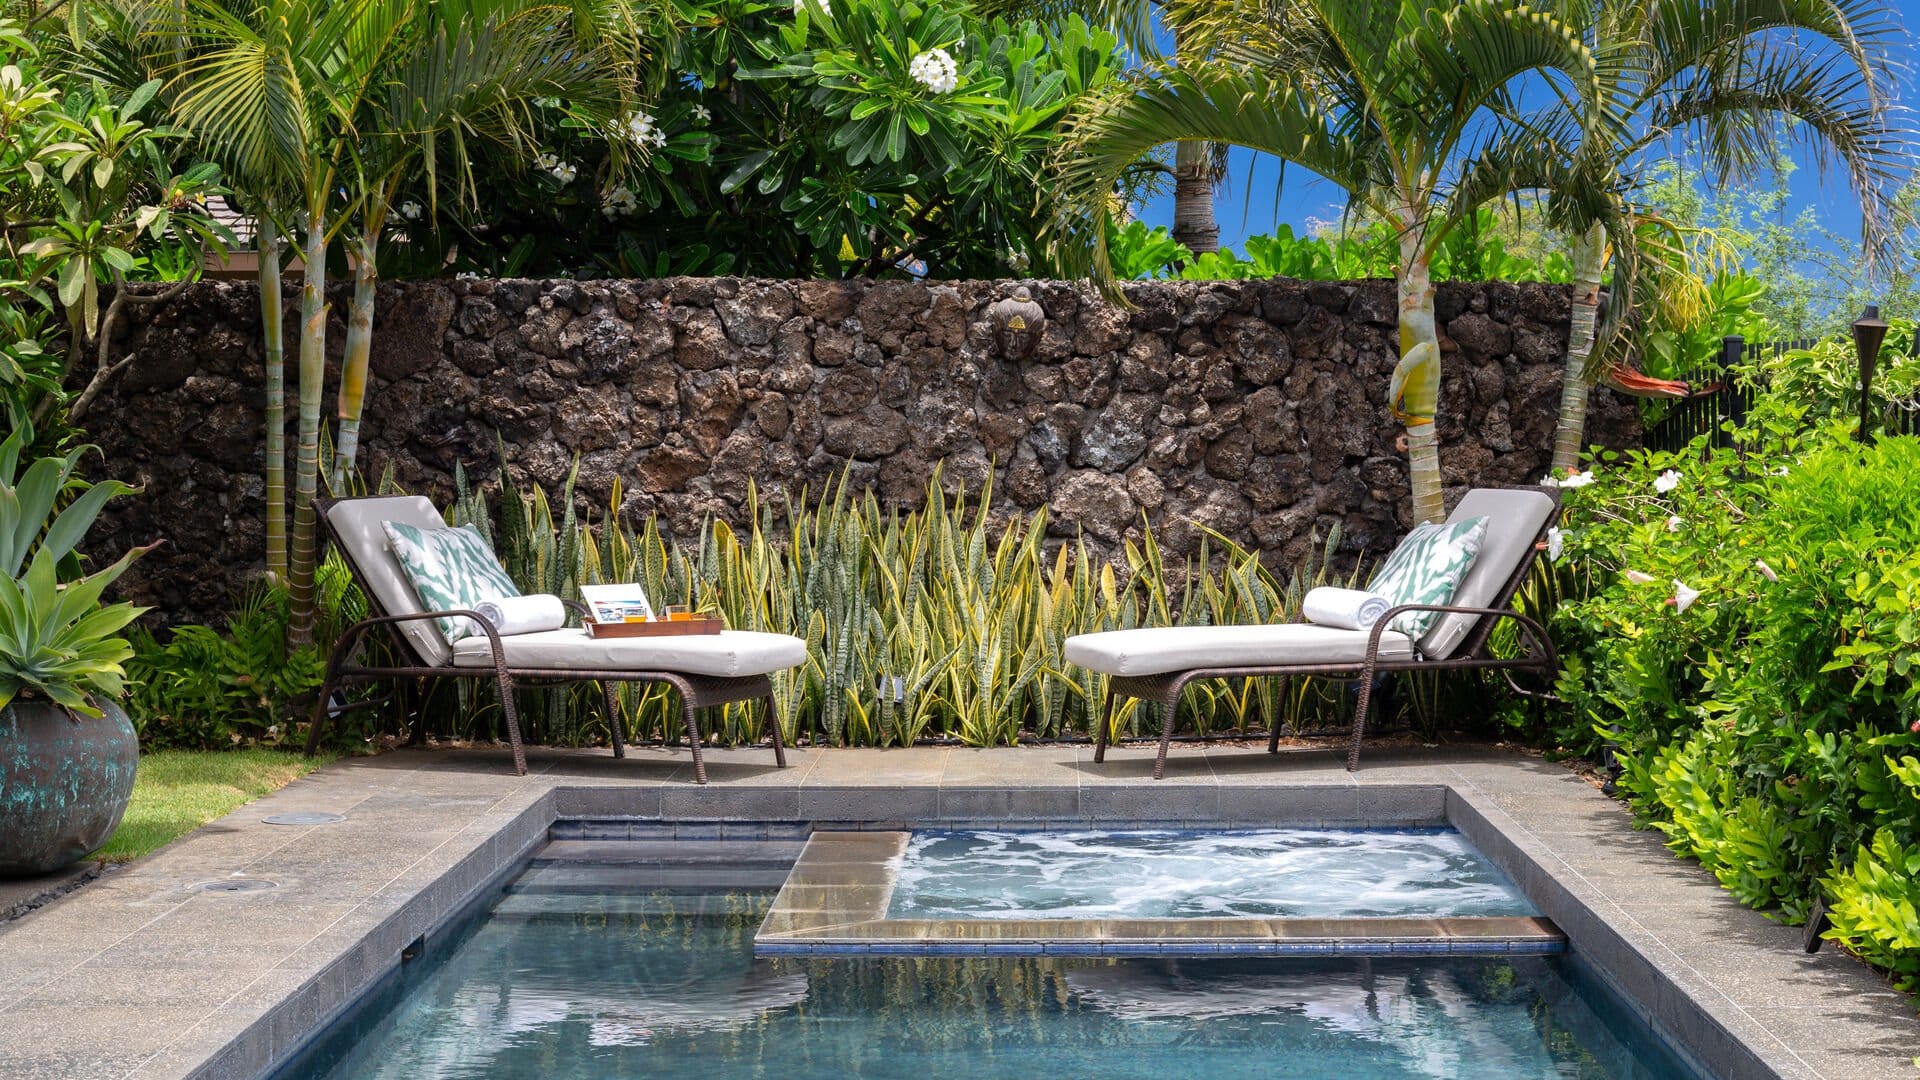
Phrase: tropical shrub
pixel 1474 252
pixel 1741 633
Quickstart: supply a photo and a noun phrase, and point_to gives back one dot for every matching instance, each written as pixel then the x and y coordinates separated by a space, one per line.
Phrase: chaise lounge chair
pixel 1155 664
pixel 709 669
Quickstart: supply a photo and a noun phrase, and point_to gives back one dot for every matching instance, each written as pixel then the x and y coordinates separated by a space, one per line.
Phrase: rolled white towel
pixel 523 614
pixel 1347 609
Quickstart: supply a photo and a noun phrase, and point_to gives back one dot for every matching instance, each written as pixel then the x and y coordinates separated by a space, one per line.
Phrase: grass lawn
pixel 177 791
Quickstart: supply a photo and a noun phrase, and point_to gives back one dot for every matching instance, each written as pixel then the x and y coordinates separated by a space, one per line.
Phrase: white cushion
pixel 1156 650
pixel 356 525
pixel 1515 517
pixel 728 654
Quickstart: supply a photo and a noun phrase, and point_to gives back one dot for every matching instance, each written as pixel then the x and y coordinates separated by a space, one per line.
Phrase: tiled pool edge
pixel 1690 1027
pixel 414 817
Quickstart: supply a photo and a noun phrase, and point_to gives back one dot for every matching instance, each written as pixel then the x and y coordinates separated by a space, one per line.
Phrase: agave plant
pixel 56 639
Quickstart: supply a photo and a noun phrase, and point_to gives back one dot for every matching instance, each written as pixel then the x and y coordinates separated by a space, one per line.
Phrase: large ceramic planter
pixel 63 783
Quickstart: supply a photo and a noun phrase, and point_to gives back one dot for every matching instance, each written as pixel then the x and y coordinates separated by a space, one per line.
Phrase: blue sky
pixel 1255 201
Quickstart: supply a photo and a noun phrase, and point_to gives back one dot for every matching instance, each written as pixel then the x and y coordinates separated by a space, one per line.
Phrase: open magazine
pixel 617 603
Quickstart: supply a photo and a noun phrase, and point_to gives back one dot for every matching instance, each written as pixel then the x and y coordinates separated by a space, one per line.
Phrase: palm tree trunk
pixel 353 369
pixel 1589 255
pixel 1194 223
pixel 306 466
pixel 1414 395
pixel 267 244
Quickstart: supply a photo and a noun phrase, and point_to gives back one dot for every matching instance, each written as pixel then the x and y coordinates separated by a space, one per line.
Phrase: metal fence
pixel 1719 396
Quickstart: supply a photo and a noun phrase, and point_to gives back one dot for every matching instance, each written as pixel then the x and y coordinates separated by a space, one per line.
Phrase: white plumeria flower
pixel 565 172
pixel 1577 479
pixel 700 114
pixel 935 70
pixel 1639 578
pixel 411 210
pixel 1683 597
pixel 1765 570
pixel 546 162
pixel 1666 481
pixel 1674 522
pixel 1556 543
pixel 620 202
pixel 1017 260
pixel 639 128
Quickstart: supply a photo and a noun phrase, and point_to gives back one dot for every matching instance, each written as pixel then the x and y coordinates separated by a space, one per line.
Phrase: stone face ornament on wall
pixel 1017 324
pixel 1253 408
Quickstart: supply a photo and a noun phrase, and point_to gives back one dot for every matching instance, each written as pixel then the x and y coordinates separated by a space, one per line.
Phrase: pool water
pixel 600 979
pixel 1166 874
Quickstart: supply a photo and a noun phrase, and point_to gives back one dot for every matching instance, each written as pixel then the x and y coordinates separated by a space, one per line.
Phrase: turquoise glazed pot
pixel 64 782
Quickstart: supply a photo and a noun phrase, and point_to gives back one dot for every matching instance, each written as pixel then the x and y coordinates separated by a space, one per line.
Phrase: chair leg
pixel 1360 720
pixel 320 715
pixel 513 721
pixel 1273 723
pixel 1105 725
pixel 773 727
pixel 693 740
pixel 607 687
pixel 1166 730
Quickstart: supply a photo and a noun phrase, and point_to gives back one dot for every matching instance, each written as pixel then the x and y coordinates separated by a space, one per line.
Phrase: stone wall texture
pixel 1254 408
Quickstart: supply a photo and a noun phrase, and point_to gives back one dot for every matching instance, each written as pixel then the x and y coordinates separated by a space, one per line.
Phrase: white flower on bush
pixel 1674 522
pixel 935 70
pixel 1556 543
pixel 546 162
pixel 564 172
pixel 638 127
pixel 1639 578
pixel 1017 260
pixel 1765 570
pixel 700 114
pixel 1683 597
pixel 1666 481
pixel 620 202
pixel 1574 479
pixel 411 210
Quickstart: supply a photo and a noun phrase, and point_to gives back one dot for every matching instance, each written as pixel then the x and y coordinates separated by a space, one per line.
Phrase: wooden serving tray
pixel 699 624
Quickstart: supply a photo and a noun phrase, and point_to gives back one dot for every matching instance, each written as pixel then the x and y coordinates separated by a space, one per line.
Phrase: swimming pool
pixel 624 970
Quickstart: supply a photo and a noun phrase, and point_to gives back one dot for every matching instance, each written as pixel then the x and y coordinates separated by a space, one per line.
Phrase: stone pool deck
pixel 141 974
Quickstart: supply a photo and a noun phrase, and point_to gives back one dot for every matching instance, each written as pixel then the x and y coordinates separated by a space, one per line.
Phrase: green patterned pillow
pixel 450 569
pixel 1427 568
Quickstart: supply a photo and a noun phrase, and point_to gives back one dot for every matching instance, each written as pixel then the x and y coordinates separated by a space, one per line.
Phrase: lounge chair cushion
pixel 1427 568
pixel 357 526
pixel 1515 517
pixel 1157 650
pixel 728 654
pixel 450 570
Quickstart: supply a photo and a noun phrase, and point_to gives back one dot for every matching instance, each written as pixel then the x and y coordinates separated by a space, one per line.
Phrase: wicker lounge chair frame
pixel 1537 656
pixel 696 691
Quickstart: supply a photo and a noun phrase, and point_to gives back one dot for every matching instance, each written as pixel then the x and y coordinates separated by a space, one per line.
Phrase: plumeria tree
pixel 798 139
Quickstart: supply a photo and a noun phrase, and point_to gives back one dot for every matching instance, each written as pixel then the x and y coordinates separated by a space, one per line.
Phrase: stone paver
pixel 139 975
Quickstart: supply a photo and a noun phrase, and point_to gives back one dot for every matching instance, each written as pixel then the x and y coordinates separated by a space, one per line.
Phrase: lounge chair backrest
pixel 1516 519
pixel 355 525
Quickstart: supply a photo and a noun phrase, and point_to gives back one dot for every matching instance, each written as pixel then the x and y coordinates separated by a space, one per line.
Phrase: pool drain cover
pixel 304 817
pixel 234 885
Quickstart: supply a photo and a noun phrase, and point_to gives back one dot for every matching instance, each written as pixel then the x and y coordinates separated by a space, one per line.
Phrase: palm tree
pixel 1390 99
pixel 468 72
pixel 1717 69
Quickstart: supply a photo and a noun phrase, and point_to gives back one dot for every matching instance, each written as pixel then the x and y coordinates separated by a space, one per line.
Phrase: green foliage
pixel 1766 728
pixel 57 640
pixel 943 622
pixel 791 143
pixel 1474 252
pixel 1825 378
pixel 207 689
